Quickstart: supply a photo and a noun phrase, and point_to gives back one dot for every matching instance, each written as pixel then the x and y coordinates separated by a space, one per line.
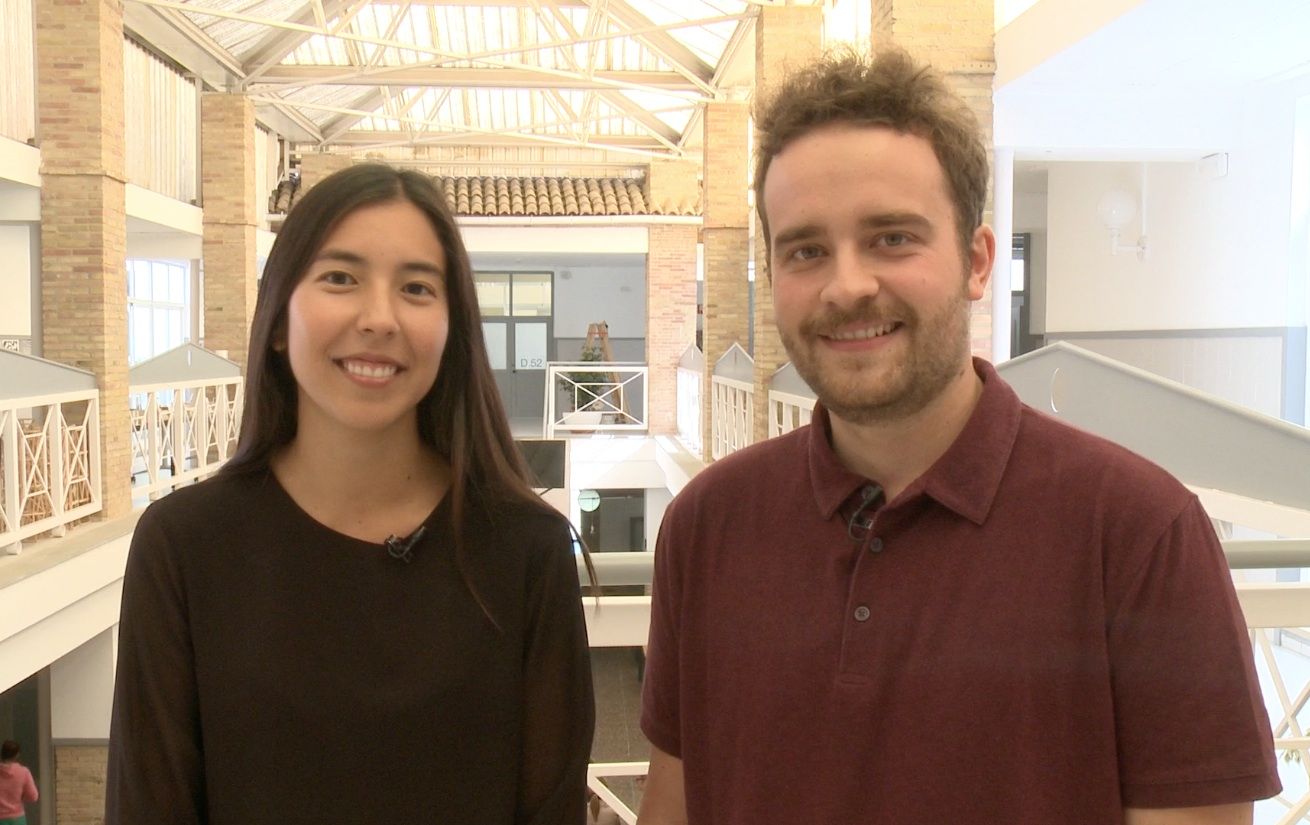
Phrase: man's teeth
pixel 369 370
pixel 862 334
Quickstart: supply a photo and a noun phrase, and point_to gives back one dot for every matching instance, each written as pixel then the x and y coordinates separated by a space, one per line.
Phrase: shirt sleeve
pixel 29 788
pixel 660 694
pixel 155 771
pixel 1190 721
pixel 558 707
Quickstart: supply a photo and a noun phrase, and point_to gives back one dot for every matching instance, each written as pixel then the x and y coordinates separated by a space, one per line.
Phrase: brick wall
pixel 670 317
pixel 79 71
pixel 957 37
pixel 673 187
pixel 726 239
pixel 314 166
pixel 785 37
pixel 230 287
pixel 227 146
pixel 80 784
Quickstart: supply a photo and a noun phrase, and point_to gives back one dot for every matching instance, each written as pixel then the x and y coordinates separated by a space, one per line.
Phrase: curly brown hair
pixel 894 90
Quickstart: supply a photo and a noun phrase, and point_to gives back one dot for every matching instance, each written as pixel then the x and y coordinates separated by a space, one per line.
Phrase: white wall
pixel 82 689
pixel 15 280
pixel 1219 254
pixel 586 294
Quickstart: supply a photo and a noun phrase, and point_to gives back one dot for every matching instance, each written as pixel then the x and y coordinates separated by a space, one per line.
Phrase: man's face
pixel 871 290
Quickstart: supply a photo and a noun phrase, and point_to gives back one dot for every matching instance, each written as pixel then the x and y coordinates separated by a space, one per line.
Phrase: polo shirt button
pixel 875 545
pixel 861 614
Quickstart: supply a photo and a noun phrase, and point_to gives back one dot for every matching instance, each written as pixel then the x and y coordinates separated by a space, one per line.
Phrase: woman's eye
pixel 337 278
pixel 419 288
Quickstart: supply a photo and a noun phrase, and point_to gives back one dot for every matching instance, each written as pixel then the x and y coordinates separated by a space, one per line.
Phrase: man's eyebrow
pixel 881 220
pixel 907 219
pixel 797 233
pixel 346 257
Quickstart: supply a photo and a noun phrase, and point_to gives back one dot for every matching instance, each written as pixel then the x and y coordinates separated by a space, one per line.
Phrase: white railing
pixel 1272 610
pixel 17 71
pixel 689 409
pixel 788 411
pixel 596 396
pixel 733 422
pixel 187 429
pixel 617 621
pixel 161 125
pixel 49 464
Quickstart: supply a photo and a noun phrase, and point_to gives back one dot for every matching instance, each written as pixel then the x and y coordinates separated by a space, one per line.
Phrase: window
pixel 158 301
pixel 517 294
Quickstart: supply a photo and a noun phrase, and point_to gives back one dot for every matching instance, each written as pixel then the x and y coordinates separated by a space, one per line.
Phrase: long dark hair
pixel 461 417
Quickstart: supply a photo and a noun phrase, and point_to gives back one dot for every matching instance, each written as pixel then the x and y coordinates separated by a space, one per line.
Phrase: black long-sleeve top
pixel 272 670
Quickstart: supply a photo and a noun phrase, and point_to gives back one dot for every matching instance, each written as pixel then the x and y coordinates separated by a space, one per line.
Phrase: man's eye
pixel 806 253
pixel 894 239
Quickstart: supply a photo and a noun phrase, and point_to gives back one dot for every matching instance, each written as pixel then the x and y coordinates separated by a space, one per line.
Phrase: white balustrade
pixel 788 411
pixel 733 407
pixel 689 409
pixel 596 396
pixel 49 464
pixel 182 432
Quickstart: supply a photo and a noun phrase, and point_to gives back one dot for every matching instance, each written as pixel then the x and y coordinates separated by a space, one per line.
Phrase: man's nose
pixel 853 278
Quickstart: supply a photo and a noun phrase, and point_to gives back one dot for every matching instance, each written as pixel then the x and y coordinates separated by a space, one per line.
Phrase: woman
pixel 16 786
pixel 368 616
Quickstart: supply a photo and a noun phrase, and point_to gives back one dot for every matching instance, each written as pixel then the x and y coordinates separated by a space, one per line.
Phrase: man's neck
pixel 895 453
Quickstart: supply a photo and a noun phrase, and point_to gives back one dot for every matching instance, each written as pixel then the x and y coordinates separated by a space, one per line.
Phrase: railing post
pixel 9 441
pixel 177 435
pixel 154 456
pixel 202 429
pixel 93 471
pixel 55 454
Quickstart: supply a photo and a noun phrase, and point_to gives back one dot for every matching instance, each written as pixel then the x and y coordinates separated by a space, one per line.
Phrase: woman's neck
pixel 366 486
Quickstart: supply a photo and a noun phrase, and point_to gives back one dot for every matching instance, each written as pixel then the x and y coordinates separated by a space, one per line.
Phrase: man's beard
pixel 870 388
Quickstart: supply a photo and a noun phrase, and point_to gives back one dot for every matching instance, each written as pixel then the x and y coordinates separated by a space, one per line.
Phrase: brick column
pixel 314 166
pixel 672 187
pixel 227 148
pixel 79 74
pixel 727 245
pixel 80 783
pixel 785 37
pixel 958 38
pixel 670 317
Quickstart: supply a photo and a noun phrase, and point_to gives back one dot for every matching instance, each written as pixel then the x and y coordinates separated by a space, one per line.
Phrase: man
pixel 932 605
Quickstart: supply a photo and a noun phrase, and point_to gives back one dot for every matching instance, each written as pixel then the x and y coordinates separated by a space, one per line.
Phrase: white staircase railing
pixel 733 405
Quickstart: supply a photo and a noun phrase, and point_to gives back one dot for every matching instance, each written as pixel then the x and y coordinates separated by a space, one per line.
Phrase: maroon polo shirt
pixel 1041 629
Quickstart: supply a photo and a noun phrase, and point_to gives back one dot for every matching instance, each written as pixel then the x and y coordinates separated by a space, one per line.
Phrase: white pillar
pixel 1003 224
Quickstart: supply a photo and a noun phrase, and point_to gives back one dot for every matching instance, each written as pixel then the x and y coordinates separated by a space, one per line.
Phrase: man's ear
pixel 982 255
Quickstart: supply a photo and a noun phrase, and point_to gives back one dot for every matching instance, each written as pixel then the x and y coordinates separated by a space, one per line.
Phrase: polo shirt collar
pixel 967 476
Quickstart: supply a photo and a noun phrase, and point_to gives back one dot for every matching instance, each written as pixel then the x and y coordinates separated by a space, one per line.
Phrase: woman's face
pixel 368 321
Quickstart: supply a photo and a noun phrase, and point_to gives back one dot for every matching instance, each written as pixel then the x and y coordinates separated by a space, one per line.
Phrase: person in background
pixel 933 604
pixel 16 785
pixel 368 615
